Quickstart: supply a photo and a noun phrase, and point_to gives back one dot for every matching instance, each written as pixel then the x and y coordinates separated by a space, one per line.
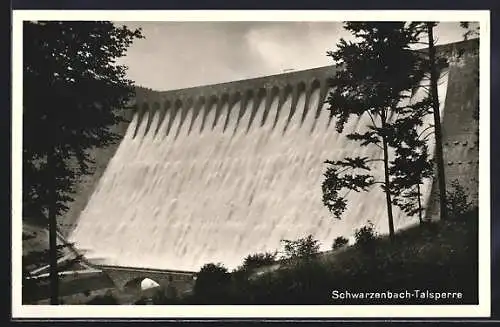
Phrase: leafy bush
pixel 257 260
pixel 339 242
pixel 457 201
pixel 302 249
pixel 366 235
pixel 212 283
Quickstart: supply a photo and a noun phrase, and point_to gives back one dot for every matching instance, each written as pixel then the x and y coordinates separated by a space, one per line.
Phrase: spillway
pixel 214 173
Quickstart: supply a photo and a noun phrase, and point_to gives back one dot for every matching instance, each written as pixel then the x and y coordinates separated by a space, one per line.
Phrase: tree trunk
pixel 437 123
pixel 386 180
pixel 54 278
pixel 419 205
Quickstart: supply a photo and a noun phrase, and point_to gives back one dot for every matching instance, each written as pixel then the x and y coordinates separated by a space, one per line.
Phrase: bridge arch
pixel 129 279
pixel 141 284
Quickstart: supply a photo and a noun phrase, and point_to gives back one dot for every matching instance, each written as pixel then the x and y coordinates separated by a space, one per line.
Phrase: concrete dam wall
pixel 214 173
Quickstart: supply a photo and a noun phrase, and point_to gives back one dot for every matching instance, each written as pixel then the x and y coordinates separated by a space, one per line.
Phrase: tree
pixel 257 260
pixel 302 249
pixel 375 77
pixel 411 165
pixel 365 236
pixel 339 242
pixel 407 192
pixel 470 31
pixel 434 76
pixel 212 282
pixel 421 167
pixel 457 201
pixel 73 92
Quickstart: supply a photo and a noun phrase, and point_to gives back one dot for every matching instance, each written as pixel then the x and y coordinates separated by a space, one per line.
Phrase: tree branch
pixel 373 120
pixel 423 131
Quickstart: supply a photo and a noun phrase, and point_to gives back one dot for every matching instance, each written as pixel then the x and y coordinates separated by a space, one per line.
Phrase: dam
pixel 214 173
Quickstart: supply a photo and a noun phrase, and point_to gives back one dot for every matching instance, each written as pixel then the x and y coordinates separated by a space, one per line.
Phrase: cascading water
pixel 191 190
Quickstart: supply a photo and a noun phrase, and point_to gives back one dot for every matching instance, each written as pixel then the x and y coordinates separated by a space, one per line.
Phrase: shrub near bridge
pixel 212 284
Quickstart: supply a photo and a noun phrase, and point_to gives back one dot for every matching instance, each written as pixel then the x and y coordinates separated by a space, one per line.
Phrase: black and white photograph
pixel 255 162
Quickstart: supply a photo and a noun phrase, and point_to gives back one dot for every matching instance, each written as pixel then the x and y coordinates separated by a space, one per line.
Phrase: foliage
pixel 336 180
pixel 470 32
pixel 305 248
pixel 258 260
pixel 376 76
pixel 411 166
pixel 73 90
pixel 211 283
pixel 366 235
pixel 339 242
pixel 457 201
pixel 374 71
pixel 433 62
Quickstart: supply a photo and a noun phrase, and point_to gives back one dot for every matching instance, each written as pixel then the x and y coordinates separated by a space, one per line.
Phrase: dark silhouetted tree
pixel 412 163
pixel 457 201
pixel 471 31
pixel 339 242
pixel 73 92
pixel 259 260
pixel 302 249
pixel 433 68
pixel 212 283
pixel 377 74
pixel 366 236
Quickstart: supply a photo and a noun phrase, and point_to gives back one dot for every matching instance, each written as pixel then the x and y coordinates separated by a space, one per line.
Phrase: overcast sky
pixel 176 55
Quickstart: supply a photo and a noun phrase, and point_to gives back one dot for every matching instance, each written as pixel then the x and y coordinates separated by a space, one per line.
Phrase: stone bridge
pixel 128 279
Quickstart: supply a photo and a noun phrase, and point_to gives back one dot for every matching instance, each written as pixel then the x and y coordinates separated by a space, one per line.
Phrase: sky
pixel 175 55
